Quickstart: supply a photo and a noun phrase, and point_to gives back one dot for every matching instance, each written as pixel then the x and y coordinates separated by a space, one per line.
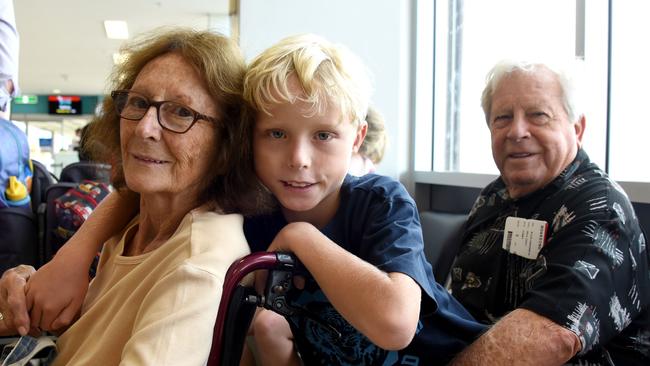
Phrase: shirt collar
pixel 559 181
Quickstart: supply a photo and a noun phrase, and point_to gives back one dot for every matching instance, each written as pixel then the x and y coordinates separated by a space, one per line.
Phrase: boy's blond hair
pixel 326 72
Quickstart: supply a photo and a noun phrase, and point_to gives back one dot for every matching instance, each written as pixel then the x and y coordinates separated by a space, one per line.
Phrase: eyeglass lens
pixel 171 115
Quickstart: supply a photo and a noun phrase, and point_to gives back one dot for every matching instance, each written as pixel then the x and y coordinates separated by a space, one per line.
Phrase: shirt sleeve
pixel 587 277
pixel 8 44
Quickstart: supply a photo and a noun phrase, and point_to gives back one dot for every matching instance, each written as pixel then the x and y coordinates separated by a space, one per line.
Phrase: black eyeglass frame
pixel 196 115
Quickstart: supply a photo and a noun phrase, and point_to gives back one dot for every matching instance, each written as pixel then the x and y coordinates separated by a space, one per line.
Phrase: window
pixel 470 36
pixel 629 126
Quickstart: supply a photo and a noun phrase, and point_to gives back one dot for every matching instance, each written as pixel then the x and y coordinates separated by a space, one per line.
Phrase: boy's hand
pixel 56 292
pixel 13 305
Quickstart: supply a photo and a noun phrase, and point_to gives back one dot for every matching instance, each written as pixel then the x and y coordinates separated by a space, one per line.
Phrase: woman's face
pixel 160 162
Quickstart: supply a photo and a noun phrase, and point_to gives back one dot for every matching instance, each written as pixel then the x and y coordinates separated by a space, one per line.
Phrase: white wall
pixel 378 31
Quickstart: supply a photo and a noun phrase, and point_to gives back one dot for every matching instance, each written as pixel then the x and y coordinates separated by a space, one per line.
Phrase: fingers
pixel 299 282
pixel 35 315
pixel 13 302
pixel 52 316
pixel 66 316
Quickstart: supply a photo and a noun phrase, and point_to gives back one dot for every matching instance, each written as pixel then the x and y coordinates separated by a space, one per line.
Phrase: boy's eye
pixel 323 136
pixel 276 134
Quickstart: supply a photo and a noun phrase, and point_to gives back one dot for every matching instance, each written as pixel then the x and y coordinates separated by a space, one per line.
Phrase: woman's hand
pixel 13 305
pixel 56 291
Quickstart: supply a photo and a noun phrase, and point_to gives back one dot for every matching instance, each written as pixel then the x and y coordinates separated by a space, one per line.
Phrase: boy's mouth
pixel 294 184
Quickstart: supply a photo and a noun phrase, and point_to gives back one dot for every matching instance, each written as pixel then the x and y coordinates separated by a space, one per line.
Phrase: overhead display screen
pixel 60 104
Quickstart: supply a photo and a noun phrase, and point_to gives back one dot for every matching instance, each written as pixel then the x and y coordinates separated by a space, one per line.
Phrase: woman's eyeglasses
pixel 172 116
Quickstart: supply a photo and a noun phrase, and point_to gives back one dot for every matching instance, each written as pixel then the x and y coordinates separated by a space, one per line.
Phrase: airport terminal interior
pixel 427 61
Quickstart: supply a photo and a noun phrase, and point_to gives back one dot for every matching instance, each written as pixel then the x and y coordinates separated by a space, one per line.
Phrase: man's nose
pixel 519 127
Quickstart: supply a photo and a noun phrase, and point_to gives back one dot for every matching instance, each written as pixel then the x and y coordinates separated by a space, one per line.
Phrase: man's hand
pixel 13 304
pixel 522 338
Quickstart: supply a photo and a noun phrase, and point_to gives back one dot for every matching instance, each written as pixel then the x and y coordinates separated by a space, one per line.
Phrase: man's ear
pixel 362 129
pixel 579 127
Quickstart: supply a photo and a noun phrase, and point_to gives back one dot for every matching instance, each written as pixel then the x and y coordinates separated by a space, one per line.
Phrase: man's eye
pixel 501 120
pixel 540 117
pixel 323 136
pixel 276 134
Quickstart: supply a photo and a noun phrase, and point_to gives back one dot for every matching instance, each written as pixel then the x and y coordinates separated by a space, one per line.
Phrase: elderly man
pixel 553 255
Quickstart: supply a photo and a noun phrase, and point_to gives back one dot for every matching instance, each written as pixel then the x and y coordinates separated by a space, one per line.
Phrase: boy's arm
pixel 385 307
pixel 54 307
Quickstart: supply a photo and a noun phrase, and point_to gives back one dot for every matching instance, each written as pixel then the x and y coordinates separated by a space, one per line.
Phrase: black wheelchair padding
pixel 279 287
pixel 280 292
pixel 240 314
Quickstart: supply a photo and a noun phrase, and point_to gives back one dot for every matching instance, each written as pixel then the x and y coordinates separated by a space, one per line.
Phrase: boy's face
pixel 303 160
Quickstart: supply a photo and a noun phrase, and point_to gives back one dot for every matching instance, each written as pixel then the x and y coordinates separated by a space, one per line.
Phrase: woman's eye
pixel 183 112
pixel 323 136
pixel 138 102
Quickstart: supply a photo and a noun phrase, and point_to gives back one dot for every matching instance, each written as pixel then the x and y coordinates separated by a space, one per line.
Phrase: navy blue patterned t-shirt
pixel 591 276
pixel 377 221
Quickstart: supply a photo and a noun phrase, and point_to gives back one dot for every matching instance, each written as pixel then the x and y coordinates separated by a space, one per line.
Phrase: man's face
pixel 533 139
pixel 303 160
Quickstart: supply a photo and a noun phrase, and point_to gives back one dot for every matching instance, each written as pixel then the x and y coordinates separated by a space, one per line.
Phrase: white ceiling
pixel 63 44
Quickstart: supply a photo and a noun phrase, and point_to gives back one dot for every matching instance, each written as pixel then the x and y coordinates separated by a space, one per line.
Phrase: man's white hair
pixel 567 75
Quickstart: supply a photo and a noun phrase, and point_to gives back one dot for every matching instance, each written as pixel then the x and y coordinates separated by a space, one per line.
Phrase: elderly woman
pixel 172 125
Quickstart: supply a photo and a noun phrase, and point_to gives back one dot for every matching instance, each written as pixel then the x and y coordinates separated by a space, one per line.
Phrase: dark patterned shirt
pixel 591 276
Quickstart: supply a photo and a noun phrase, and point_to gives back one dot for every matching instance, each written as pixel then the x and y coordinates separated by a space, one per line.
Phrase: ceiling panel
pixel 63 44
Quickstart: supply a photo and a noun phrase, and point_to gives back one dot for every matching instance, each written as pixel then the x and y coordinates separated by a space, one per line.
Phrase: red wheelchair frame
pixel 238 302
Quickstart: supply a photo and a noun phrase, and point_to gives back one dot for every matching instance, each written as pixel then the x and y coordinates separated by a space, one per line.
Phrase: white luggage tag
pixel 524 237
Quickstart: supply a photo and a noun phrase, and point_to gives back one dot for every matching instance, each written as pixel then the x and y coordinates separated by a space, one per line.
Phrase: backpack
pixel 16 169
pixel 75 205
pixel 73 208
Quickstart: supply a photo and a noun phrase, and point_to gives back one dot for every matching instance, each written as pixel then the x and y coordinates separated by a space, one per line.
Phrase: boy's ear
pixel 362 129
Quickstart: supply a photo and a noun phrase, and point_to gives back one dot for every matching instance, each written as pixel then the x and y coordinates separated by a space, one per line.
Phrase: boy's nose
pixel 299 156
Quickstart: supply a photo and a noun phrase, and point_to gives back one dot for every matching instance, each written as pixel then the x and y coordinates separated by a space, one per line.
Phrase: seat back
pixel 441 232
pixel 41 180
pixel 18 238
pixel 76 172
pixel 47 220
